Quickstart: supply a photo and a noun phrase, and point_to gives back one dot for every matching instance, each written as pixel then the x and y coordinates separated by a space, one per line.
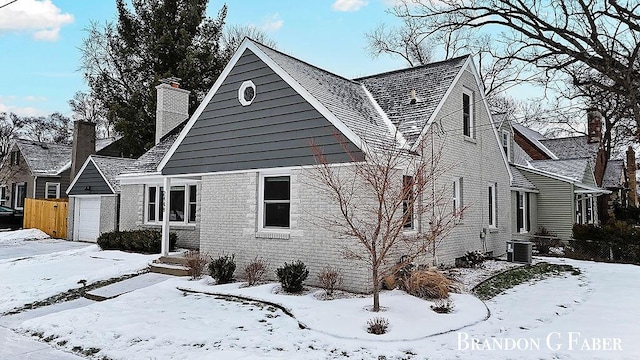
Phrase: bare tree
pixel 233 35
pixel 10 123
pixel 88 108
pixel 54 128
pixel 381 194
pixel 589 43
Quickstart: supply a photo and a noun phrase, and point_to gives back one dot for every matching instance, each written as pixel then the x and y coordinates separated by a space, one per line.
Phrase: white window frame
pixel 15 196
pixel 472 125
pixel 492 205
pixel 46 189
pixel 158 200
pixel 523 203
pixel 261 202
pixel 3 194
pixel 457 196
pixel 506 143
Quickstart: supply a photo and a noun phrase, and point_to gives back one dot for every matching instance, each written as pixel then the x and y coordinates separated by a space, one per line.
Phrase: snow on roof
pixel 534 137
pixel 520 156
pixel 392 91
pixel 614 174
pixel 111 167
pixel 149 161
pixel 572 147
pixel 344 98
pixel 570 168
pixel 520 181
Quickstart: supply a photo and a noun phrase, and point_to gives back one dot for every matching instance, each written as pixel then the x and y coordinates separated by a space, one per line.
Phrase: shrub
pixel 254 272
pixel 142 241
pixel 615 241
pixel 292 276
pixel 545 240
pixel 377 326
pixel 471 259
pixel 329 278
pixel 196 264
pixel 443 306
pixel 222 268
pixel 427 285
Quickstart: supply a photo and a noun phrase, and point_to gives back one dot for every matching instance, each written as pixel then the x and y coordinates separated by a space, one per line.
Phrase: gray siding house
pixel 239 172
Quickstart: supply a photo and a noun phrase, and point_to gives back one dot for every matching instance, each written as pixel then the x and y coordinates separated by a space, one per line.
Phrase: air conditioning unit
pixel 519 251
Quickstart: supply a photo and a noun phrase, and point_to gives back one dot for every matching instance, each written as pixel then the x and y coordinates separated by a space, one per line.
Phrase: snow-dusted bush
pixel 292 276
pixel 222 268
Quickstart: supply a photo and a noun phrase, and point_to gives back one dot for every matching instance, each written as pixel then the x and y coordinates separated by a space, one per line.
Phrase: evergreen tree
pixel 152 40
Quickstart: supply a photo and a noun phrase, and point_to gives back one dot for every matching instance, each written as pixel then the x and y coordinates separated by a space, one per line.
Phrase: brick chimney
pixel 631 173
pixel 84 144
pixel 594 126
pixel 172 106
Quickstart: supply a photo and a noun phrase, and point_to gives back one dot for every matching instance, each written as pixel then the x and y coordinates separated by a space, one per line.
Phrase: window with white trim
pixel 20 195
pixel 275 198
pixel 522 209
pixel 457 197
pixel 181 207
pixel 493 204
pixel 506 143
pixel 585 209
pixel 51 190
pixel 468 125
pixel 3 194
pixel 407 202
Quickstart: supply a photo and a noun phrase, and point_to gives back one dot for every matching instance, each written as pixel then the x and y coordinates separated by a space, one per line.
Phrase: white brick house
pixel 246 153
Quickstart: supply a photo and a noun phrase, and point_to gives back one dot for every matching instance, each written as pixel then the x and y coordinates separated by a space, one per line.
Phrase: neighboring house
pixel 94 197
pixel 240 170
pixel 568 180
pixel 40 170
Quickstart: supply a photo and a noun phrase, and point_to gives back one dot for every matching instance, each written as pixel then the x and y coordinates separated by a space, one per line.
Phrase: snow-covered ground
pixel 28 279
pixel 557 318
pixel 29 242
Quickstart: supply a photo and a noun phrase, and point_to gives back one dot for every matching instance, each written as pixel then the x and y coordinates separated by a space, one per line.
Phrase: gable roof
pixel 109 169
pixel 391 90
pixel 534 138
pixel 520 181
pixel 614 175
pixel 148 163
pixel 44 158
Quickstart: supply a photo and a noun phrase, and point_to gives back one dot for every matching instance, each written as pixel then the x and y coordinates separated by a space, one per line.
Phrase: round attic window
pixel 247 93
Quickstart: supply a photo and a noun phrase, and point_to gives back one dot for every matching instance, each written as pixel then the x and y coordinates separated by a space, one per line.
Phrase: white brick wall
pixel 132 217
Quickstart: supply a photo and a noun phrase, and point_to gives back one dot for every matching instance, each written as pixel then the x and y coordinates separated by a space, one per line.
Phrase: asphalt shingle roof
pixel 43 158
pixel 149 161
pixel 111 167
pixel 520 181
pixel 520 156
pixel 392 91
pixel 613 174
pixel 344 98
pixel 572 147
pixel 571 168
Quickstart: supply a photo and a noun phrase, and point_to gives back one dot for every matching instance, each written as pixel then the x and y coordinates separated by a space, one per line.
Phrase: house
pixel 564 180
pixel 40 170
pixel 238 171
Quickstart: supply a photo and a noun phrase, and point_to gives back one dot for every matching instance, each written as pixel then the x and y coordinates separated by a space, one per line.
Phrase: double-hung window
pixel 457 197
pixel 468 125
pixel 407 202
pixel 275 202
pixel 182 204
pixel 522 208
pixel 51 190
pixel 493 203
pixel 506 143
pixel 3 194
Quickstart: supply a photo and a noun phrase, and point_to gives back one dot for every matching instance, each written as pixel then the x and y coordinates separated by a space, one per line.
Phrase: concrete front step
pixel 172 260
pixel 169 269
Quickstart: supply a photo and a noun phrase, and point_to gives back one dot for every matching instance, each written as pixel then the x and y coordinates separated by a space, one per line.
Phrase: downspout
pixel 35 180
pixel 165 219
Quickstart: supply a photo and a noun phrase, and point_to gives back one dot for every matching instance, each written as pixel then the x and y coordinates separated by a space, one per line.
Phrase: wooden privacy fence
pixel 48 215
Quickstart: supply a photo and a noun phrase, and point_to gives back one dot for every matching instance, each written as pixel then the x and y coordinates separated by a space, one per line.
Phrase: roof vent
pixel 413 98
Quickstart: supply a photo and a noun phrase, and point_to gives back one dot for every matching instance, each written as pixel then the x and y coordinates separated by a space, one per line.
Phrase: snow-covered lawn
pixel 28 279
pixel 547 319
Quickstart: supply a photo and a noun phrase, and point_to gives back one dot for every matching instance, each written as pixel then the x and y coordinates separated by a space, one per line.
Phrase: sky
pixel 40 40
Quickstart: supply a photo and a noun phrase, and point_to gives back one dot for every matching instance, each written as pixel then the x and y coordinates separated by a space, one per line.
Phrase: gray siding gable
pixel 276 130
pixel 90 177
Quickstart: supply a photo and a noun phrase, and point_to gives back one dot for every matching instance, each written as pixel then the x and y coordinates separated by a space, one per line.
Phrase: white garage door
pixel 86 218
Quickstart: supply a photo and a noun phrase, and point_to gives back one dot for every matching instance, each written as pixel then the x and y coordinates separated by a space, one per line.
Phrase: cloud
pixel 272 23
pixel 5 106
pixel 348 5
pixel 41 18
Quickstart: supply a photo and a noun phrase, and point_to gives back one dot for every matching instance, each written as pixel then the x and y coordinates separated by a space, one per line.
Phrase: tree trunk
pixel 376 289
